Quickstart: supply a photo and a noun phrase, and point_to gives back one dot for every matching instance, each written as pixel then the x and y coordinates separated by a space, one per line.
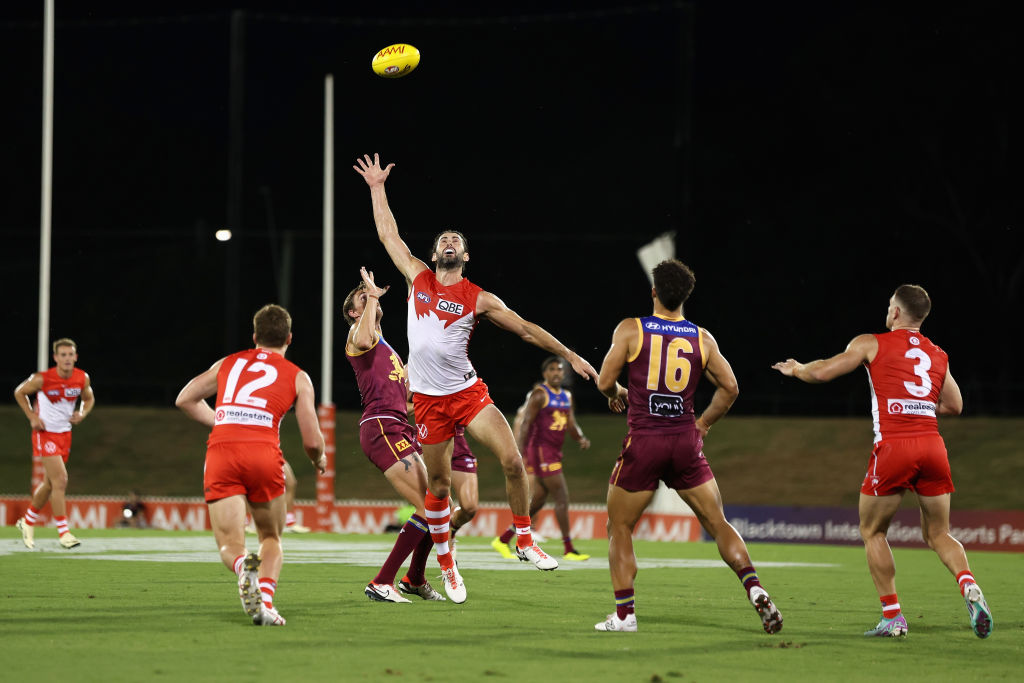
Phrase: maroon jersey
pixel 381 377
pixel 663 375
pixel 548 428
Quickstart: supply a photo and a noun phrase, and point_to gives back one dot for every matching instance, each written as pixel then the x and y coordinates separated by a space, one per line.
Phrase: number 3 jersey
pixel 255 388
pixel 663 375
pixel 906 379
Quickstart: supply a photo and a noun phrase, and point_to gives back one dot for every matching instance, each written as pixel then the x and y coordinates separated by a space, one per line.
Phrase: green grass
pixel 150 612
pixel 160 452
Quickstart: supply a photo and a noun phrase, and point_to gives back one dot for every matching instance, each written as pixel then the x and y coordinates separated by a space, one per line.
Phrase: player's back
pixel 664 373
pixel 255 388
pixel 906 378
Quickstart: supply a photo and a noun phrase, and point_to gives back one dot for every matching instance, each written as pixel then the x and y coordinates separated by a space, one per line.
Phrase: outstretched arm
pixel 491 307
pixel 624 340
pixel 387 227
pixel 861 349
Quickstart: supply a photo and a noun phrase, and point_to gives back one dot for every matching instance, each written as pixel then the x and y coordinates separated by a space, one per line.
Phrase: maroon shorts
pixel 675 458
pixel 438 416
pixel 920 464
pixel 251 469
pixel 387 440
pixel 543 460
pixel 463 459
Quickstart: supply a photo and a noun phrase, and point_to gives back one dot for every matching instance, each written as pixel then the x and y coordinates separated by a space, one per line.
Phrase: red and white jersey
pixel 441 321
pixel 255 388
pixel 55 402
pixel 906 379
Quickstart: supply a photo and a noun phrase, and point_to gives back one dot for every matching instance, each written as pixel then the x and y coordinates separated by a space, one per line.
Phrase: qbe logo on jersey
pixel 449 307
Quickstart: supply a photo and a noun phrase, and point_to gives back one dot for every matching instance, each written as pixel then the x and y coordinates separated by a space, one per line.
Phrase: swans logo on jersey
pixel 914 340
pixel 449 307
pixel 425 298
pixel 50 447
pixel 664 405
pixel 900 406
pixel 421 429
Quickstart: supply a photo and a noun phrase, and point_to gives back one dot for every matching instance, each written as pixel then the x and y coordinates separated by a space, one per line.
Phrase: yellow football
pixel 395 61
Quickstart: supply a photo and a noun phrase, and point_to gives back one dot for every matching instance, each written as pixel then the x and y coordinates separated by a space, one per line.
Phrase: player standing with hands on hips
pixel 57 391
pixel 910 384
pixel 254 390
pixel 444 308
pixel 666 355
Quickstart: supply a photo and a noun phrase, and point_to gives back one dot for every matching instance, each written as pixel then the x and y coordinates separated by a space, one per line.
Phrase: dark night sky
pixel 810 158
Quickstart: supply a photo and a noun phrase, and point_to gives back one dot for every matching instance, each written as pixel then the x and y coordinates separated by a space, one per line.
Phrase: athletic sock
pixel 439 515
pixel 964 578
pixel 418 564
pixel 748 577
pixel 567 544
pixel 62 525
pixel 624 603
pixel 237 564
pixel 409 537
pixel 31 516
pixel 267 589
pixel 507 535
pixel 890 606
pixel 289 519
pixel 524 537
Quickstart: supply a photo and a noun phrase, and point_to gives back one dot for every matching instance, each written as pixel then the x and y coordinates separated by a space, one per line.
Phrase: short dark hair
pixel 673 283
pixel 914 300
pixel 350 302
pixel 550 360
pixel 272 325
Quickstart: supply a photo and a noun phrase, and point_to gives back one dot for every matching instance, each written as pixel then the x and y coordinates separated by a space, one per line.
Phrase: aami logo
pixel 449 307
pixel 425 298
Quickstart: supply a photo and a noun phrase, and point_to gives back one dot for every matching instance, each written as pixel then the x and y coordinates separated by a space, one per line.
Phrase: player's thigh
pixel 934 513
pixel 490 428
pixel 55 469
pixel 876 512
pixel 409 479
pixel 626 507
pixel 227 520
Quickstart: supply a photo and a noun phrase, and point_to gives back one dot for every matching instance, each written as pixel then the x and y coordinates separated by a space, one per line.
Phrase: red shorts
pixel 920 464
pixel 251 469
pixel 543 460
pixel 463 459
pixel 438 416
pixel 675 458
pixel 51 443
pixel 386 441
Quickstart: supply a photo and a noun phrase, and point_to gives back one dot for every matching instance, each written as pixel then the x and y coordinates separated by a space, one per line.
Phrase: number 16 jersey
pixel 255 388
pixel 663 375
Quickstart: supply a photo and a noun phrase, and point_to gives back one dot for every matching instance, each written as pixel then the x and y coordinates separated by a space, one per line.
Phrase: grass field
pixel 145 606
